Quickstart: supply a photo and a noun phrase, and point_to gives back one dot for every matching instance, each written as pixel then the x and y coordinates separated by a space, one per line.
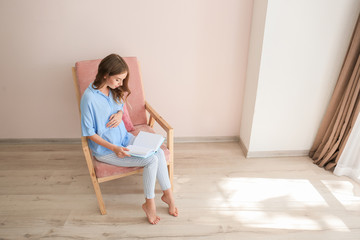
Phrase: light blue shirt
pixel 96 109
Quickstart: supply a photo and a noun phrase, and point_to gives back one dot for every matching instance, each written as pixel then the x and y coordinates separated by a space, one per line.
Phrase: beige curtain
pixel 342 111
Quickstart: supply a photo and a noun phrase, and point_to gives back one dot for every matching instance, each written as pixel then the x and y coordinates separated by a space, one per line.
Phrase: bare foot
pixel 170 201
pixel 150 210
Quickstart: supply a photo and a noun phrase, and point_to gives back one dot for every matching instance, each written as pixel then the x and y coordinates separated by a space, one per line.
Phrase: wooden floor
pixel 46 193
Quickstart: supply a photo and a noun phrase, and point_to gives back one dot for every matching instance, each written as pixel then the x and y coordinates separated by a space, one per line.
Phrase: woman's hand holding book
pixel 121 152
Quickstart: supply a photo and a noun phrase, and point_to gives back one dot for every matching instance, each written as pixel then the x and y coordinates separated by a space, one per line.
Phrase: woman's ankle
pixel 150 201
pixel 167 192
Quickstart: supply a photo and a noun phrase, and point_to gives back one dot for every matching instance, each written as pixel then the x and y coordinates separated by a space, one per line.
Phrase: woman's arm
pixel 119 151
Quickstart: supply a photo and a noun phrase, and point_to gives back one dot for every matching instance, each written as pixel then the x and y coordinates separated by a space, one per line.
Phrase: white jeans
pixel 154 168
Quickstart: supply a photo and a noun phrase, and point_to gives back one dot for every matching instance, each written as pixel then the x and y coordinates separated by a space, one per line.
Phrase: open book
pixel 145 144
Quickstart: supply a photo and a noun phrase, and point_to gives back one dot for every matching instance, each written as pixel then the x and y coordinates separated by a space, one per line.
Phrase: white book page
pixel 140 151
pixel 149 140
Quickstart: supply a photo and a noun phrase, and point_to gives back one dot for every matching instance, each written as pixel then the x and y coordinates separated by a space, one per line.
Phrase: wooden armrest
pixel 154 116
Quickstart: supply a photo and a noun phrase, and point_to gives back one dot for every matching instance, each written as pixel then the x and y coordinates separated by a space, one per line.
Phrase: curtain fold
pixel 342 111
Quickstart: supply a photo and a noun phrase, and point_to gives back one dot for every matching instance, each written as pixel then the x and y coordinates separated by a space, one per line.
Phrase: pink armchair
pixel 84 73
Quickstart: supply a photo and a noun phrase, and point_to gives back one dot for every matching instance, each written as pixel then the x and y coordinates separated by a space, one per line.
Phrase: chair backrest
pixel 86 72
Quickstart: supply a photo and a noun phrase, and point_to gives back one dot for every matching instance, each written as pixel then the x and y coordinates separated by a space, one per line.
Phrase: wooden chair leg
pixel 99 195
pixel 171 174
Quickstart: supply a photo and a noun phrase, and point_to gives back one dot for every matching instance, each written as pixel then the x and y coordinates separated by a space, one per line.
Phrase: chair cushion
pixel 136 100
pixel 127 121
pixel 105 170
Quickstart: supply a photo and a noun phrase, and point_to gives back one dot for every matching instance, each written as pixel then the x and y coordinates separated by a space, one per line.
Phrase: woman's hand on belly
pixel 115 120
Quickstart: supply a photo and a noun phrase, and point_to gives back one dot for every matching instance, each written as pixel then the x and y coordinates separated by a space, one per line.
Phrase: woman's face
pixel 115 81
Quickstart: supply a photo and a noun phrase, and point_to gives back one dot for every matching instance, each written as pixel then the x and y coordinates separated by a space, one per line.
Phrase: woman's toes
pixel 151 214
pixel 174 213
pixel 156 220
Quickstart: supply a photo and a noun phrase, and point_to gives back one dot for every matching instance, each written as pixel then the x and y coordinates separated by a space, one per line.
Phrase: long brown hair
pixel 110 66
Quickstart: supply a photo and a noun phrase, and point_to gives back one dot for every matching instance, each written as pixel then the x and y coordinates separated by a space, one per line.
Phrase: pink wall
pixel 193 56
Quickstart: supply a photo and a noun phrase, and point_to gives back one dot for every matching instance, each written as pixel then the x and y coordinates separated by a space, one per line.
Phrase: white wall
pixel 193 55
pixel 253 69
pixel 303 49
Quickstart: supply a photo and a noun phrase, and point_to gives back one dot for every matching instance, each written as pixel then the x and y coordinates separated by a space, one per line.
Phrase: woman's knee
pixel 160 154
pixel 153 159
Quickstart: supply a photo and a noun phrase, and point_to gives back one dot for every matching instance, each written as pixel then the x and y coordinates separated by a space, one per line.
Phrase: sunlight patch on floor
pixel 276 203
pixel 346 192
pixel 265 191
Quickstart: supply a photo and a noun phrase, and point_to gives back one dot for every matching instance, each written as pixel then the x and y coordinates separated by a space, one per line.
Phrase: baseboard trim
pixel 78 140
pixel 243 147
pixel 289 153
pixel 206 139
pixel 265 154
pixel 40 141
